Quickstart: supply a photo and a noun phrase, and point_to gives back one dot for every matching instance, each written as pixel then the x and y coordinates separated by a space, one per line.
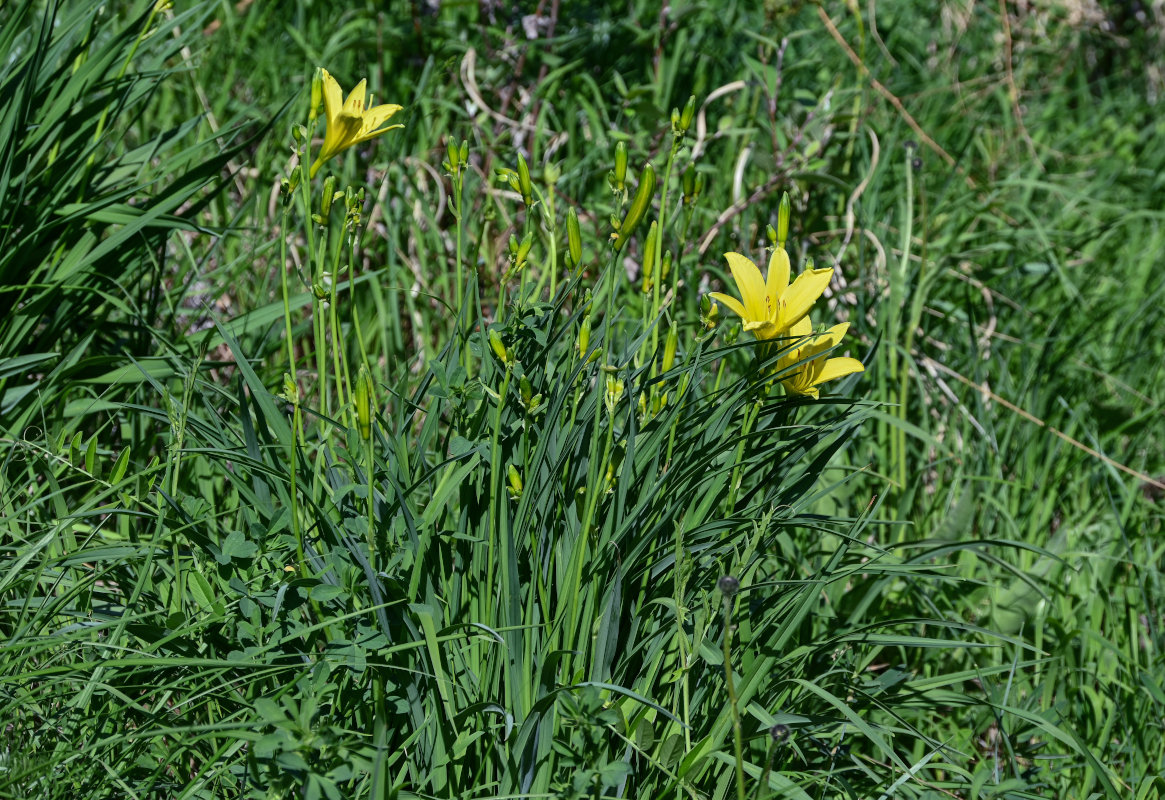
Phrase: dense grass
pixel 416 500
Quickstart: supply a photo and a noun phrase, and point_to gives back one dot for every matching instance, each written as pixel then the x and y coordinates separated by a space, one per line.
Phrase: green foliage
pixel 429 493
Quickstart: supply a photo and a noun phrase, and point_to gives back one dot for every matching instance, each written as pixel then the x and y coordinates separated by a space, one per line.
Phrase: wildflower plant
pixel 568 448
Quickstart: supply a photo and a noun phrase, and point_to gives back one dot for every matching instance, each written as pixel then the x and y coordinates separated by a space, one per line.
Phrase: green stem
pixel 737 735
pixel 496 491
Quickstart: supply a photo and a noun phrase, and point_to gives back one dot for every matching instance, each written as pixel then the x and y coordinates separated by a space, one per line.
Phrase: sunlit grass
pixel 442 495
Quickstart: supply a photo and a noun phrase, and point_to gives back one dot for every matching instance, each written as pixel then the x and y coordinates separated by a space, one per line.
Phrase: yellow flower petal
pixel 778 277
pixel 800 297
pixel 801 328
pixel 377 116
pixel 838 368
pixel 731 302
pixel 751 285
pixel 333 96
pixel 355 102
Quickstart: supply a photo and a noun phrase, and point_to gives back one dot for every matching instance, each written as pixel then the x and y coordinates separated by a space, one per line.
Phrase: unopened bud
pixel 515 480
pixel 639 206
pixel 499 347
pixel 614 393
pixel 584 337
pixel 783 212
pixel 669 349
pixel 620 176
pixel 573 237
pixel 317 95
pixel 525 187
pixel 665 267
pixel 290 390
pixel 687 114
pixel 328 196
pixel 363 402
pixel 524 249
pixel 650 246
pixel 688 181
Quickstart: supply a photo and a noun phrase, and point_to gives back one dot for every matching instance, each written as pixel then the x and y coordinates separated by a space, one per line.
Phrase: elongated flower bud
pixel 620 167
pixel 650 246
pixel 452 162
pixel 584 337
pixel 317 95
pixel 639 206
pixel 364 403
pixel 328 197
pixel 687 114
pixel 689 183
pixel 669 349
pixel 573 237
pixel 524 184
pixel 783 220
pixel 499 347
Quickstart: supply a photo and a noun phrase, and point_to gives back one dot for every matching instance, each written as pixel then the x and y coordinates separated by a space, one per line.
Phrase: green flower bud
pixel 771 235
pixel 650 246
pixel 573 237
pixel 620 177
pixel 328 196
pixel 463 156
pixel 515 480
pixel 499 347
pixel 688 113
pixel 639 206
pixel 525 187
pixel 783 220
pixel 526 389
pixel 363 402
pixel 669 349
pixel 584 337
pixel 688 181
pixel 290 390
pixel 523 251
pixel 614 393
pixel 452 162
pixel 317 95
pixel 665 266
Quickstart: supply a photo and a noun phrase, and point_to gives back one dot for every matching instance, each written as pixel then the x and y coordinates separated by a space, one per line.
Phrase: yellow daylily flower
pixel 816 369
pixel 347 120
pixel 771 307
